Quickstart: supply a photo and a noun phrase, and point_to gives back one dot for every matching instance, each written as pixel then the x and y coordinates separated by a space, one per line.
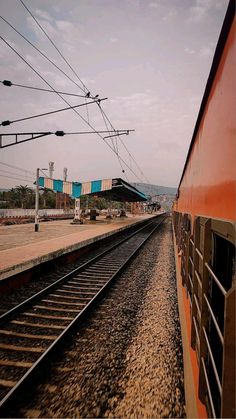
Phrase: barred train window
pixel 223 264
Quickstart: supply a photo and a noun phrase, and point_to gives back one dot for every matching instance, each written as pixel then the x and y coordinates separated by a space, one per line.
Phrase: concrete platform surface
pixel 21 248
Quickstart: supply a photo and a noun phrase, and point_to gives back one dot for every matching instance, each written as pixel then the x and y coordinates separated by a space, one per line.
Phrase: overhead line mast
pixel 35 135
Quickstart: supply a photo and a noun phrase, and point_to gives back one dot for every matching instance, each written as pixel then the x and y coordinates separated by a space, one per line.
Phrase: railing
pixel 214 319
pixel 208 388
pixel 215 279
pixel 211 333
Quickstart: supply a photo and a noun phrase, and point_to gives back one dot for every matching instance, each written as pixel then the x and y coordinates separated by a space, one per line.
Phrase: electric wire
pixel 17 178
pixel 50 40
pixel 117 154
pixel 41 89
pixel 16 167
pixel 59 70
pixel 45 174
pixel 75 73
pixel 4 123
pixel 130 155
pixel 41 53
pixel 11 173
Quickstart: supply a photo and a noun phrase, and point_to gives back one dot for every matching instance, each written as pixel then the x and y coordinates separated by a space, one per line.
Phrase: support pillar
pixel 77 218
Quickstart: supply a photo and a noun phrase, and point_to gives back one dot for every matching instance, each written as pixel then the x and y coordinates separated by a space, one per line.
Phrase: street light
pixel 36 221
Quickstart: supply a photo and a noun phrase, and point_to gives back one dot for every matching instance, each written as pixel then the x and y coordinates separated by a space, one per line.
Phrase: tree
pixel 47 198
pixel 24 196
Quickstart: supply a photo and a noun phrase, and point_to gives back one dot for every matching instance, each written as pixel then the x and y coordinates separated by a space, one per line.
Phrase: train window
pixel 223 262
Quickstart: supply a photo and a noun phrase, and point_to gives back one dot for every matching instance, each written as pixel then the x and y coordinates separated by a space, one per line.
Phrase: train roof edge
pixel 228 20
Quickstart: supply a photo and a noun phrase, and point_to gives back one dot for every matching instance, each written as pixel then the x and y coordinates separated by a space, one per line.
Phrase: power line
pixel 8 83
pixel 45 174
pixel 16 167
pixel 10 173
pixel 105 116
pixel 56 66
pixel 5 123
pixel 88 94
pixel 59 52
pixel 17 178
pixel 40 52
pixel 112 148
pixel 102 111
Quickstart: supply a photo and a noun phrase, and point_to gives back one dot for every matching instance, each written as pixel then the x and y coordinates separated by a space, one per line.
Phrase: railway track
pixel 32 331
pixel 8 301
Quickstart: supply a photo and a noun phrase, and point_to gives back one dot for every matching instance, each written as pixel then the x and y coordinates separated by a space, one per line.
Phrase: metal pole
pixel 36 222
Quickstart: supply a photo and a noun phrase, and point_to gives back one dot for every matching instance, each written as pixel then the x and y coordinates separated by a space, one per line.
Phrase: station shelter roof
pixel 113 189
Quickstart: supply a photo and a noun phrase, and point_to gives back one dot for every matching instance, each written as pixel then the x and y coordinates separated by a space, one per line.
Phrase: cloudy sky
pixel 151 59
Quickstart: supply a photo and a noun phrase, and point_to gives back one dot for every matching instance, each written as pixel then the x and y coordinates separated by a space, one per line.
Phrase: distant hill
pixel 153 190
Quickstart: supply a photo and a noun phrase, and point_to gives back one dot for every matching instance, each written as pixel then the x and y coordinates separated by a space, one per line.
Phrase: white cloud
pixel 86 42
pixel 64 25
pixel 170 15
pixel 43 15
pixel 189 51
pixel 133 2
pixel 153 5
pixel 113 40
pixel 202 8
pixel 4 48
pixel 47 26
pixel 206 52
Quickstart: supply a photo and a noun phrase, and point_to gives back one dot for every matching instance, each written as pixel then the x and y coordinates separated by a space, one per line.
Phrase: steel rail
pixel 39 294
pixel 46 358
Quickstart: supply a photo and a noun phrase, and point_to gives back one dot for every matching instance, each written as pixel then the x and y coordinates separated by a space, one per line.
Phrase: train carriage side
pixel 204 217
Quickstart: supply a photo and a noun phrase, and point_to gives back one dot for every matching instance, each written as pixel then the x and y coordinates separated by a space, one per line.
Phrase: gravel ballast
pixel 126 360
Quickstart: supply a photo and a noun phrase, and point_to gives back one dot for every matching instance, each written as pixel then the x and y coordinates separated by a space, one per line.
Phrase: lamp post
pixel 36 221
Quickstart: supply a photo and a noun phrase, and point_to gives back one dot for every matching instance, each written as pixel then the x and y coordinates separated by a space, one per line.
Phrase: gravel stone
pixel 126 359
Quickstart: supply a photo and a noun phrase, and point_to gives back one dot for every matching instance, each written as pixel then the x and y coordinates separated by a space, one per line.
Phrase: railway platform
pixel 22 249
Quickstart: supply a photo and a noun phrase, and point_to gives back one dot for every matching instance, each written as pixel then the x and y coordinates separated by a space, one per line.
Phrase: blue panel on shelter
pixel 76 189
pixel 41 182
pixel 58 185
pixel 96 186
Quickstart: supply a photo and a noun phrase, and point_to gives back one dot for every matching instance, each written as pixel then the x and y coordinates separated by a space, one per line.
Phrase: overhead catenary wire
pixel 50 40
pixel 17 178
pixel 55 65
pixel 41 53
pixel 117 154
pixel 130 155
pixel 75 73
pixel 73 81
pixel 16 167
pixel 8 83
pixel 4 123
pixel 11 173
